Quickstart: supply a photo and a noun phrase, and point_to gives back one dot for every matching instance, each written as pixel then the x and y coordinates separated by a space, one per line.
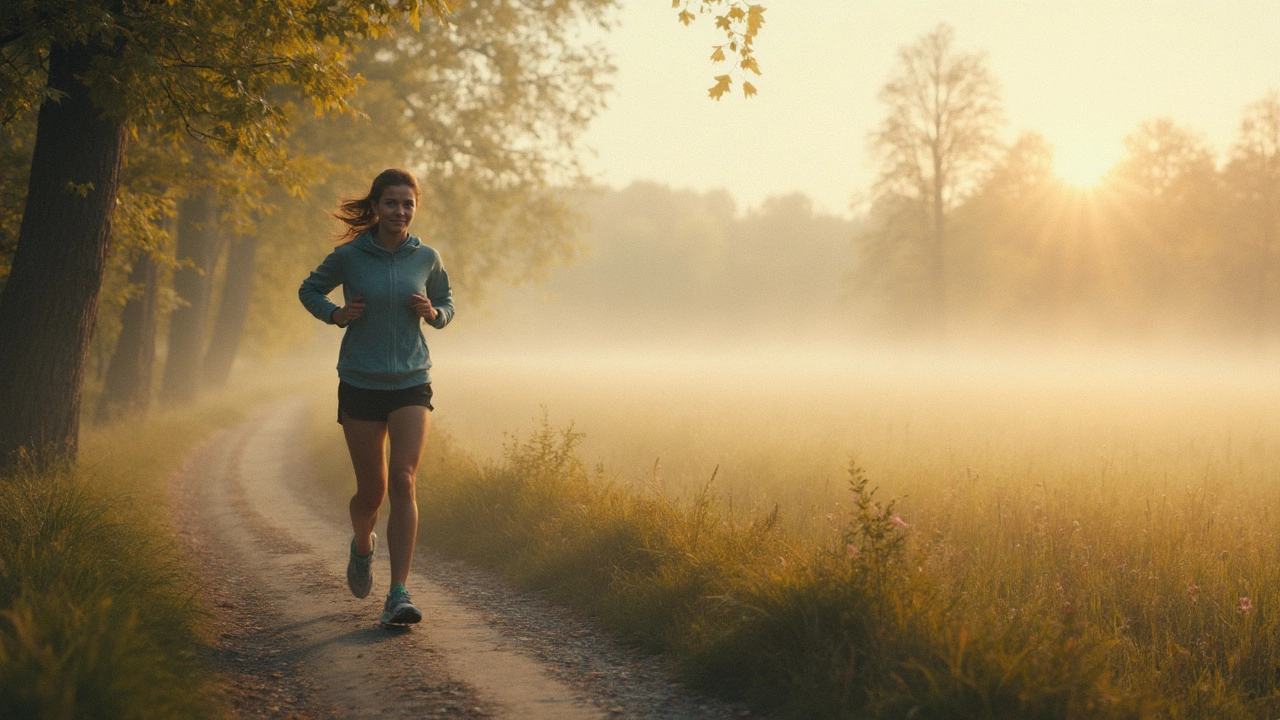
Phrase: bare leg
pixel 366 439
pixel 407 427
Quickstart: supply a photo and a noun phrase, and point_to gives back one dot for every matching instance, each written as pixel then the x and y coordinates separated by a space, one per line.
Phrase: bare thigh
pixel 407 428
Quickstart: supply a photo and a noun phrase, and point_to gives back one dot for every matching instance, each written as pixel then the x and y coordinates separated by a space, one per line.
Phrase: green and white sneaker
pixel 399 609
pixel 360 569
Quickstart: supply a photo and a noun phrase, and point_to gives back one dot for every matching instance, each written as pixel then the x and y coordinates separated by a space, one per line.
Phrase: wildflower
pixel 1245 606
pixel 1193 590
pixel 899 522
pixel 850 550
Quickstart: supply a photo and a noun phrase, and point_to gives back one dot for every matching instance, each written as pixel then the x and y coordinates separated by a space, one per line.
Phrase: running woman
pixel 391 283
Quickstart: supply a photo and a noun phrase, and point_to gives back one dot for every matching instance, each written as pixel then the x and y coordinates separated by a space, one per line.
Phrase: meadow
pixel 889 536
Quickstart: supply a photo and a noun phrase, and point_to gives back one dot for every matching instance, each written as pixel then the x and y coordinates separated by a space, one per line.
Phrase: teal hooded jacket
pixel 384 348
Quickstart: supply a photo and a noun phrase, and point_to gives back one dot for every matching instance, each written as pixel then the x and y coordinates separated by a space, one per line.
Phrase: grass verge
pixel 851 627
pixel 861 624
pixel 98 614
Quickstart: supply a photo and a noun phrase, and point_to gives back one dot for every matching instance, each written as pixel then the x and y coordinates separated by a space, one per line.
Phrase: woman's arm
pixel 440 295
pixel 315 289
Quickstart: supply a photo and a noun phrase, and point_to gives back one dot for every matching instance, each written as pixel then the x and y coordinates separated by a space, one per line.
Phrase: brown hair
pixel 358 214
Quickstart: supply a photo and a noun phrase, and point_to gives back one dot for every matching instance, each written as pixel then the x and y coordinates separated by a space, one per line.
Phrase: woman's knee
pixel 402 483
pixel 368 499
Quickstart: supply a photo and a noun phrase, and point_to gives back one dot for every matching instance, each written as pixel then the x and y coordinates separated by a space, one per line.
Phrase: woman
pixel 391 282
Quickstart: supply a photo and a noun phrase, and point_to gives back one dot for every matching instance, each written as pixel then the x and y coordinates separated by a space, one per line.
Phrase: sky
pixel 1082 73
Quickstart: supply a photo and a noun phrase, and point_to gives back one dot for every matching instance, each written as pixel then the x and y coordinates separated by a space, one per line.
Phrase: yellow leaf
pixel 749 63
pixel 748 89
pixel 718 54
pixel 721 87
pixel 675 3
pixel 686 17
pixel 722 22
pixel 736 13
pixel 755 18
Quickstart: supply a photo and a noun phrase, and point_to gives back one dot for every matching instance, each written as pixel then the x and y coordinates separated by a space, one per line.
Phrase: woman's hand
pixel 349 312
pixel 421 305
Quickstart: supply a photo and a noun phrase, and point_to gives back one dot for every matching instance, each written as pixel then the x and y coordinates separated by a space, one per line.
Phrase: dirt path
pixel 294 642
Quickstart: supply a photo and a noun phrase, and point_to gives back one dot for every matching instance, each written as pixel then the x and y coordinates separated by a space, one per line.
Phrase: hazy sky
pixel 1082 73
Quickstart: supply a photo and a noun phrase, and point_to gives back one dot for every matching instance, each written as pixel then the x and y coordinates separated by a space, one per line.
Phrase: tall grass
pixel 99 608
pixel 1096 547
pixel 851 626
pixel 97 621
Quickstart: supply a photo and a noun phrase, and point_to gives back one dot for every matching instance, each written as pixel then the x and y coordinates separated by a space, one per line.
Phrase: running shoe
pixel 399 609
pixel 360 569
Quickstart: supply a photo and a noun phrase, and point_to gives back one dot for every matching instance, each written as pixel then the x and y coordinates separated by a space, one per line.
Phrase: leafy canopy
pixel 204 67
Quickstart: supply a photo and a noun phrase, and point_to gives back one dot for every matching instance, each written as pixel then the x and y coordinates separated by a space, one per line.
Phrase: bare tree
pixel 939 136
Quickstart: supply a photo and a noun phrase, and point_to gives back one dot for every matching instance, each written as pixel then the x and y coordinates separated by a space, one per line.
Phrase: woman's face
pixel 395 208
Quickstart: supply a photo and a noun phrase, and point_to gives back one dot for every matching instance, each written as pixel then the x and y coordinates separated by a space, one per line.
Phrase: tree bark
pixel 198 247
pixel 127 390
pixel 51 299
pixel 236 295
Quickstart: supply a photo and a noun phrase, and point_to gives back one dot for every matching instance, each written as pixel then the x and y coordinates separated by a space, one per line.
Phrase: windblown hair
pixel 358 214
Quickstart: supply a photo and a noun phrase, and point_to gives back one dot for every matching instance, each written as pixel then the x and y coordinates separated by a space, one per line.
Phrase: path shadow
pixel 359 637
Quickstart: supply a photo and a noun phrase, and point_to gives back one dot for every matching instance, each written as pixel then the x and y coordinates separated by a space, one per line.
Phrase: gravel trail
pixel 295 644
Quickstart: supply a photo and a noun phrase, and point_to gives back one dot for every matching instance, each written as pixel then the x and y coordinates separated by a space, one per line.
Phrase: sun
pixel 1081 170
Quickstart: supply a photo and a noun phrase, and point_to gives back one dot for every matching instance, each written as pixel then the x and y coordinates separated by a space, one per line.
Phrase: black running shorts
pixel 361 404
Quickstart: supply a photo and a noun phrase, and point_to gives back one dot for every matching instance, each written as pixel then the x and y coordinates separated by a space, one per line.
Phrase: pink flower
pixel 850 550
pixel 1245 606
pixel 899 522
pixel 1192 591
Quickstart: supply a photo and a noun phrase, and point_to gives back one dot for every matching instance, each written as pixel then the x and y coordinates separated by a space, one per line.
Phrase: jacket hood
pixel 365 242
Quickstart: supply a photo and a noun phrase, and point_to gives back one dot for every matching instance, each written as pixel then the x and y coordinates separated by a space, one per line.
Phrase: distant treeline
pixel 967 234
pixel 662 265
pixel 1172 245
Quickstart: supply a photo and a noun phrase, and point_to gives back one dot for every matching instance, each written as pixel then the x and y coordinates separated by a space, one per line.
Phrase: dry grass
pixel 1084 541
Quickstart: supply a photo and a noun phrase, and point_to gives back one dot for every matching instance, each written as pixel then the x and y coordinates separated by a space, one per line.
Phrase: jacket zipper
pixel 392 367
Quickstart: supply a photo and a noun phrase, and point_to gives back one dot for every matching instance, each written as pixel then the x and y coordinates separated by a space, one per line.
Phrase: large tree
pixel 108 66
pixel 939 136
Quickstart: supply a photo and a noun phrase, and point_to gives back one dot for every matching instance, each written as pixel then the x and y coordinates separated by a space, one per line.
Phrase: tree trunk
pixel 51 299
pixel 127 390
pixel 198 248
pixel 236 295
pixel 939 255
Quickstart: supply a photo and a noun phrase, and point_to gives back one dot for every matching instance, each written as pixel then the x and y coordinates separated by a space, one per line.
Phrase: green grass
pixel 99 608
